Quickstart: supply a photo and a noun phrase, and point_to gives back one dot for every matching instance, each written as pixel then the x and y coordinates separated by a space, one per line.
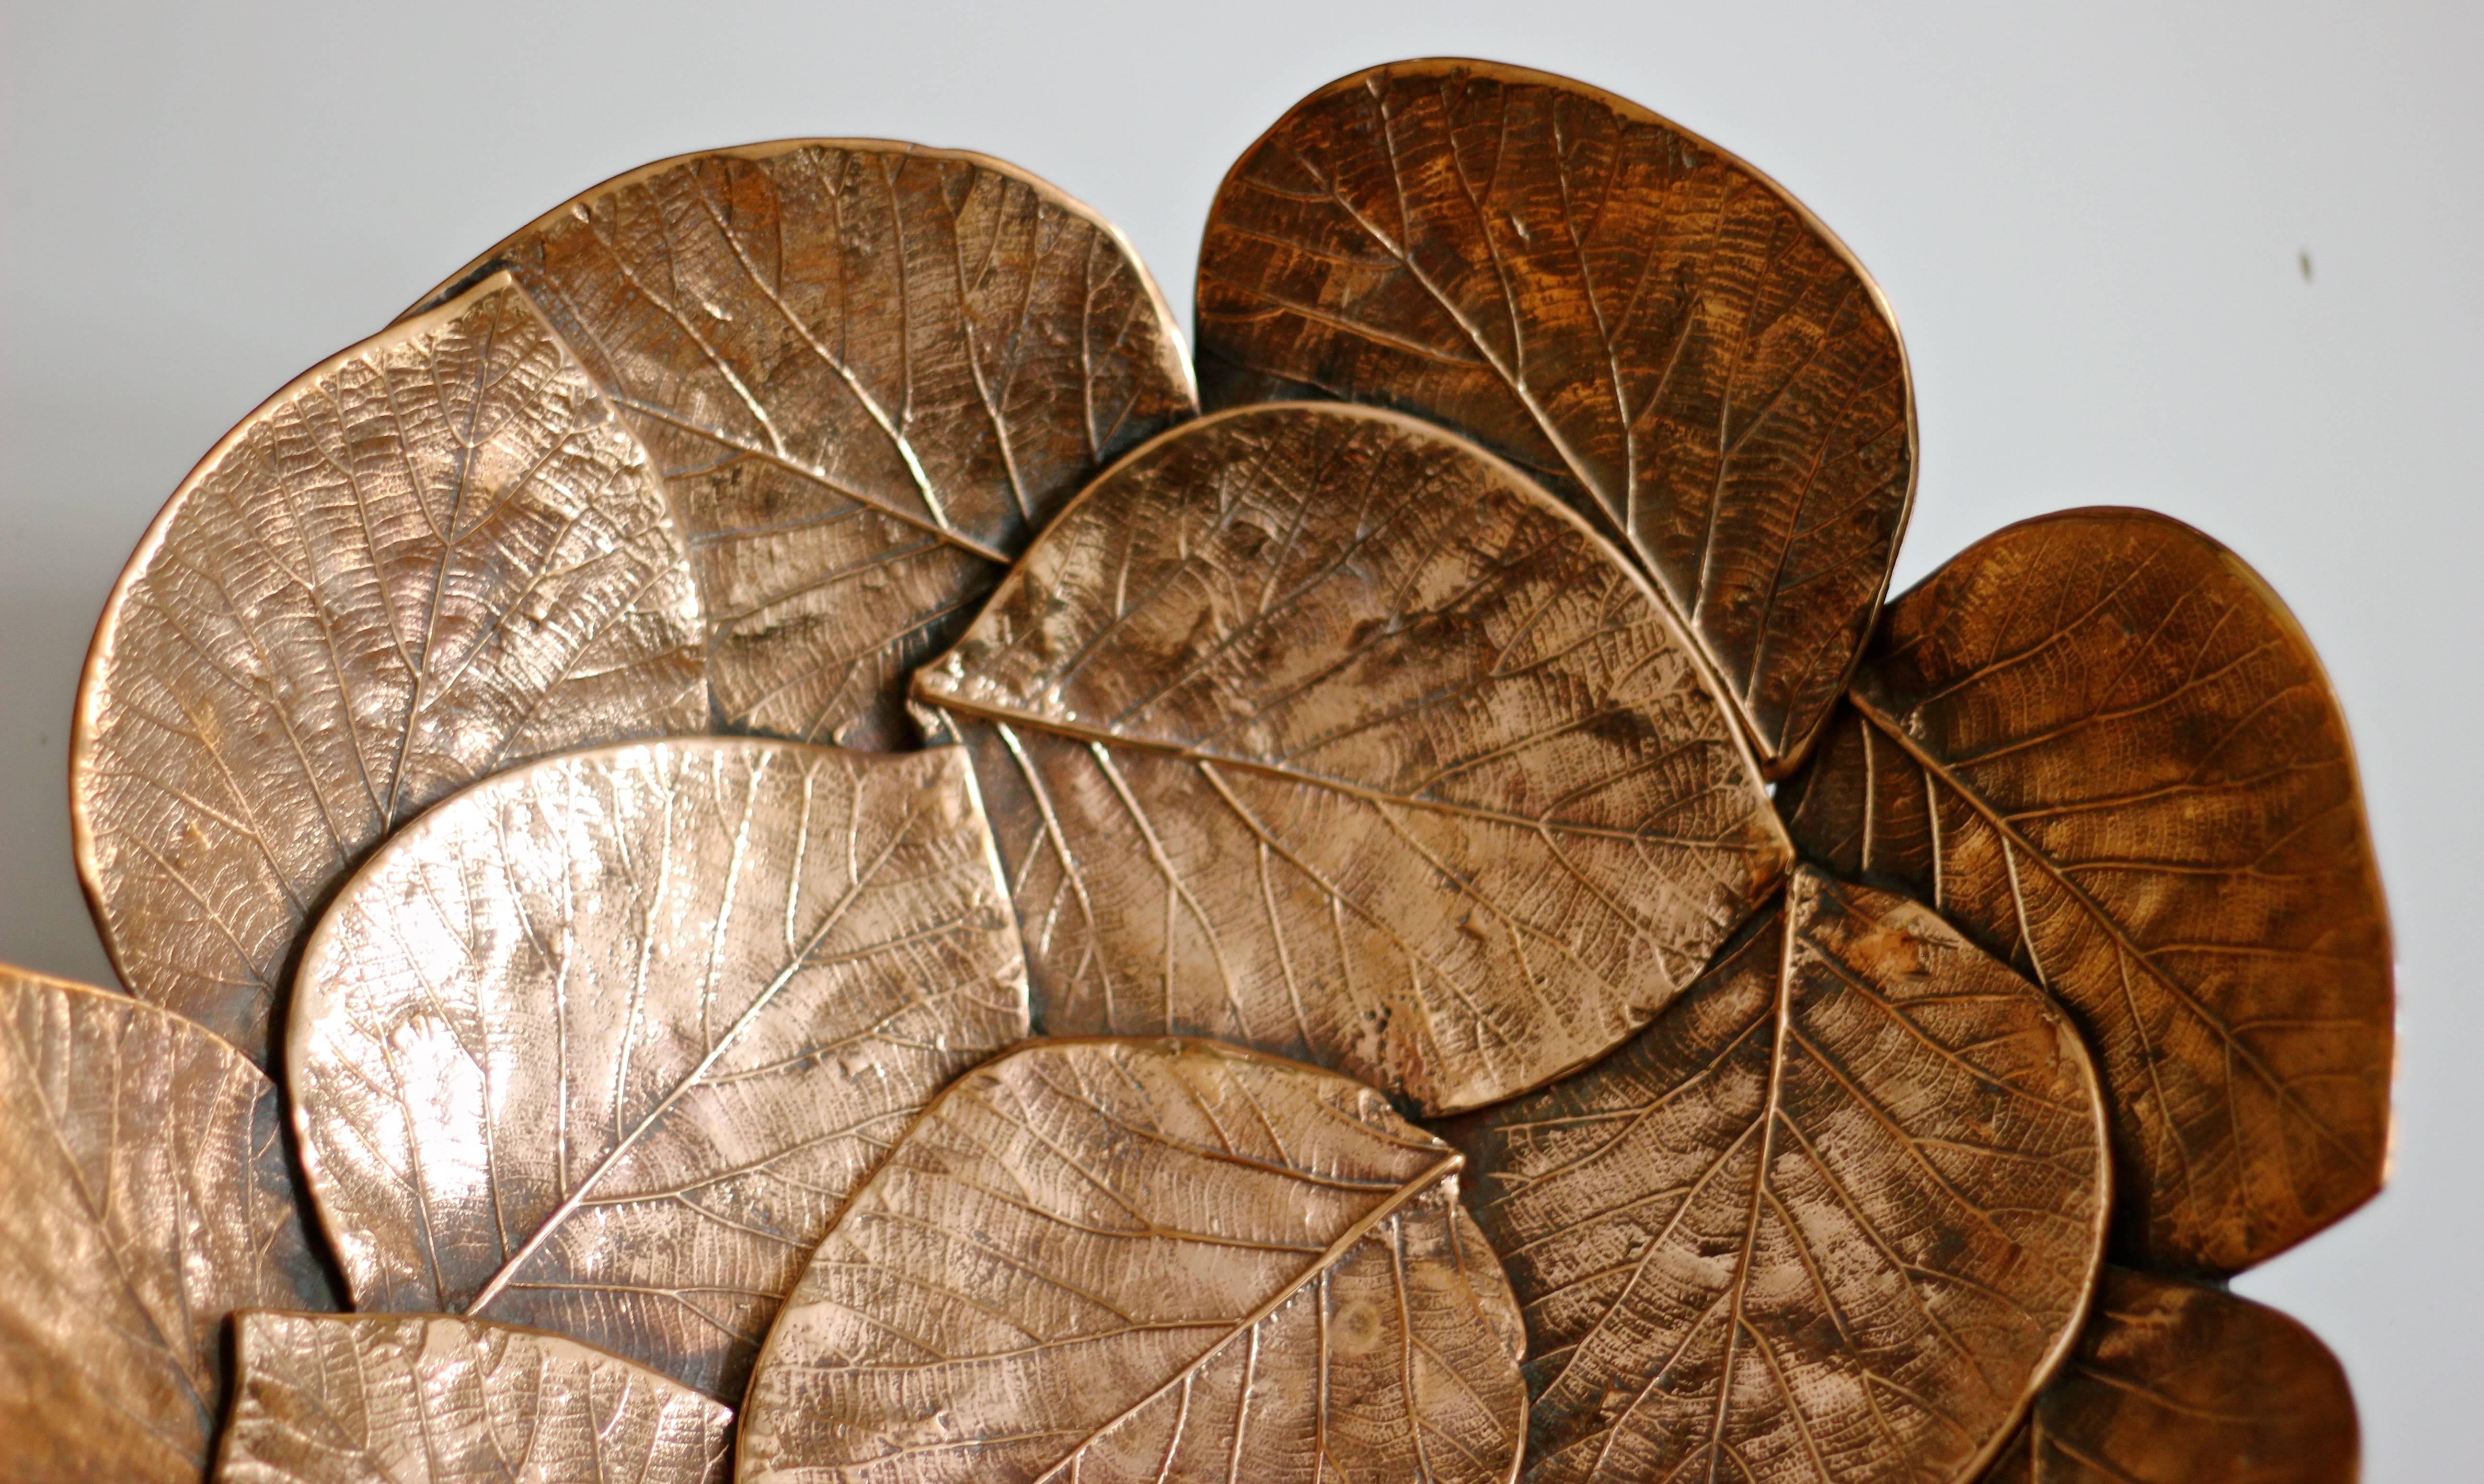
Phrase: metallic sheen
pixel 602 1044
pixel 143 1196
pixel 428 557
pixel 1316 729
pixel 1830 1220
pixel 1147 1260
pixel 430 1399
pixel 869 371
pixel 1646 323
pixel 2176 1383
pixel 2101 745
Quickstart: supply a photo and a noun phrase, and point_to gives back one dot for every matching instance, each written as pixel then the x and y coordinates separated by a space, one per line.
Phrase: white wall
pixel 2089 218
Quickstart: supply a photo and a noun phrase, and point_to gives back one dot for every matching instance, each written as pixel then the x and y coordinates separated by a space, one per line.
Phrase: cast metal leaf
pixel 2100 744
pixel 2173 1384
pixel 1830 1219
pixel 601 1043
pixel 1316 729
pixel 1147 1260
pixel 870 372
pixel 434 1399
pixel 143 1198
pixel 430 556
pixel 1643 321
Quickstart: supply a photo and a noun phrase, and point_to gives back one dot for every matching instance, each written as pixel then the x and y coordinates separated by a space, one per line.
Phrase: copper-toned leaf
pixel 869 371
pixel 426 559
pixel 431 1399
pixel 2099 744
pixel 1319 730
pixel 2175 1384
pixel 143 1198
pixel 1651 326
pixel 1830 1220
pixel 1147 1260
pixel 601 1043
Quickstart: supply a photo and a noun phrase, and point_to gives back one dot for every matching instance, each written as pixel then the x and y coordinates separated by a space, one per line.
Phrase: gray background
pixel 2094 221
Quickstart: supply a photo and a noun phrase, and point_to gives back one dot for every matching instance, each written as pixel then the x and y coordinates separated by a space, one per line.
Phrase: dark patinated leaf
pixel 2101 745
pixel 1644 322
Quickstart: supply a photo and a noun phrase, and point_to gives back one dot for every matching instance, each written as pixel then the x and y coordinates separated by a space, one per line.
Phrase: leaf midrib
pixel 1888 725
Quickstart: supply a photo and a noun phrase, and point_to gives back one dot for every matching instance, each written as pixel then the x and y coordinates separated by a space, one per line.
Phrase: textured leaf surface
pixel 869 372
pixel 143 1198
pixel 1635 316
pixel 601 1043
pixel 1832 1218
pixel 2099 744
pixel 432 1399
pixel 427 558
pixel 1108 1260
pixel 2174 1384
pixel 1315 729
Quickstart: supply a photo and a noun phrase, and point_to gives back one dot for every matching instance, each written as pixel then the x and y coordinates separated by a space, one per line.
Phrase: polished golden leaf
pixel 428 557
pixel 143 1196
pixel 1644 322
pixel 869 371
pixel 1316 729
pixel 602 1044
pixel 1146 1260
pixel 2176 1383
pixel 434 1399
pixel 1830 1220
pixel 2100 744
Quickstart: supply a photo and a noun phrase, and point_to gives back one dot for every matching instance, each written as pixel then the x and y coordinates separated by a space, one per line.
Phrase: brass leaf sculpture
pixel 1313 728
pixel 1831 1219
pixel 2100 744
pixel 869 371
pixel 2173 1383
pixel 429 557
pixel 1773 1147
pixel 602 1044
pixel 1644 322
pixel 1148 1259
pixel 143 1196
pixel 432 1399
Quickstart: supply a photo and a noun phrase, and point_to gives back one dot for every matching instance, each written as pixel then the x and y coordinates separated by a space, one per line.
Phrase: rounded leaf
pixel 428 557
pixel 1831 1220
pixel 1647 324
pixel 143 1196
pixel 602 1044
pixel 2173 1383
pixel 431 1399
pixel 869 371
pixel 1146 1260
pixel 2099 742
pixel 1316 729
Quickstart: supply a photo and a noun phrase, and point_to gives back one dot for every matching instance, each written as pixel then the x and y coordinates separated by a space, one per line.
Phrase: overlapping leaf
pixel 431 1399
pixel 1643 321
pixel 1149 1260
pixel 2099 742
pixel 1830 1220
pixel 143 1196
pixel 427 558
pixel 1315 729
pixel 602 1044
pixel 869 372
pixel 2173 1384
